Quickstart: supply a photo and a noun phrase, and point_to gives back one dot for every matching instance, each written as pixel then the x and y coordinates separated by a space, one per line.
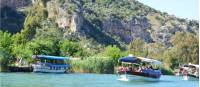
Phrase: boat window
pixel 50 61
pixel 43 60
pixel 59 62
pixel 36 60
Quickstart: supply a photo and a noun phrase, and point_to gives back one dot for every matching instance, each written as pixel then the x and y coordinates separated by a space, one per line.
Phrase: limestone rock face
pixel 76 23
pixel 135 28
pixel 163 35
pixel 73 22
pixel 139 29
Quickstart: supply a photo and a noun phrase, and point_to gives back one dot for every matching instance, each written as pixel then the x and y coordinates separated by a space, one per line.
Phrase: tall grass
pixel 93 65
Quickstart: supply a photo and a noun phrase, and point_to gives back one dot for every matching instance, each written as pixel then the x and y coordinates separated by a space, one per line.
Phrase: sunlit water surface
pixel 85 80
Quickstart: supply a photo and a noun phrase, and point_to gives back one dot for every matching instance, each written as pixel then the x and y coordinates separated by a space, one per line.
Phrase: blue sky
pixel 180 8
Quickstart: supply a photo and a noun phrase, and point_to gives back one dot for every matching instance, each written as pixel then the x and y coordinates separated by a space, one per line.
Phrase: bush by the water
pixel 166 71
pixel 93 65
pixel 5 50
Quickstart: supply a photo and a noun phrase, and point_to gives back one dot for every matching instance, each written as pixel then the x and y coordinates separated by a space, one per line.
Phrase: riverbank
pixel 93 64
pixel 85 69
pixel 20 69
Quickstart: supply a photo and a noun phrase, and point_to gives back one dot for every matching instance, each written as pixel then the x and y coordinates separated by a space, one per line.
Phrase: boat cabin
pixel 45 63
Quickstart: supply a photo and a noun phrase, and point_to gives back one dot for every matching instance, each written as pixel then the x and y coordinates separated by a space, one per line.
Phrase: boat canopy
pixel 197 66
pixel 132 59
pixel 49 57
pixel 149 60
pixel 129 59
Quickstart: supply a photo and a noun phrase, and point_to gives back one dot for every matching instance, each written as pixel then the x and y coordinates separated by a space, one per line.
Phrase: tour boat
pixel 139 68
pixel 189 72
pixel 49 64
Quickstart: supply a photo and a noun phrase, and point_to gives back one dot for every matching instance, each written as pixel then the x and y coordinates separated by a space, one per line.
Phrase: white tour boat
pixel 49 64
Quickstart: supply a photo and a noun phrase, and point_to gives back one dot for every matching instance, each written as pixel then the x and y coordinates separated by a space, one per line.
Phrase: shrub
pixel 112 52
pixel 166 71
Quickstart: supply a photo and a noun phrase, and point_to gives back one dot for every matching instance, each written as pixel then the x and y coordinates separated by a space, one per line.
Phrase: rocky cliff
pixel 115 21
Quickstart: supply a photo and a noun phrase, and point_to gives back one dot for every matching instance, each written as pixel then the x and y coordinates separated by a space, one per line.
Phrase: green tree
pixel 22 52
pixel 69 48
pixel 42 47
pixel 185 49
pixel 156 50
pixel 35 14
pixel 186 45
pixel 50 31
pixel 170 58
pixel 5 50
pixel 137 48
pixel 112 52
pixel 5 40
pixel 18 39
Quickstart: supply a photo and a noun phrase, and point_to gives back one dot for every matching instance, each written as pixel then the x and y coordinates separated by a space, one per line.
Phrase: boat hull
pixel 191 78
pixel 127 77
pixel 48 69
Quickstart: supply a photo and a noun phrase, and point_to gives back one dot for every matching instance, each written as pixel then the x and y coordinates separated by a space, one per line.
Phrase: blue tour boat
pixel 139 68
pixel 49 64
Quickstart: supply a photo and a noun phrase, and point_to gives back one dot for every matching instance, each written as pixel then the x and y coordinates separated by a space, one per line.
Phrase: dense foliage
pixel 5 50
pixel 185 49
pixel 112 52
pixel 69 48
pixel 137 48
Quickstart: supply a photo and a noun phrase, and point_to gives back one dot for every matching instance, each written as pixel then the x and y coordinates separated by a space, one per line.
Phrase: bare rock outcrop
pixel 135 28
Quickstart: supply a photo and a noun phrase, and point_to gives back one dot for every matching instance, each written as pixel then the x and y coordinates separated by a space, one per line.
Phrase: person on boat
pixel 139 69
pixel 134 69
pixel 38 62
pixel 130 69
pixel 185 72
pixel 121 69
pixel 124 69
pixel 181 70
pixel 143 68
pixel 149 68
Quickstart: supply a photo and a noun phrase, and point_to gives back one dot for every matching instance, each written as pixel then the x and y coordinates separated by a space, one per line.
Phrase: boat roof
pixel 195 65
pixel 49 57
pixel 129 59
pixel 149 60
pixel 132 59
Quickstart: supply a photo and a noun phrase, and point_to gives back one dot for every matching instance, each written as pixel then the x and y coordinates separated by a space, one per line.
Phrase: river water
pixel 85 80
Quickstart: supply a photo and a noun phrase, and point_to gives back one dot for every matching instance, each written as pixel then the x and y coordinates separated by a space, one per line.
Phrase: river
pixel 85 80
